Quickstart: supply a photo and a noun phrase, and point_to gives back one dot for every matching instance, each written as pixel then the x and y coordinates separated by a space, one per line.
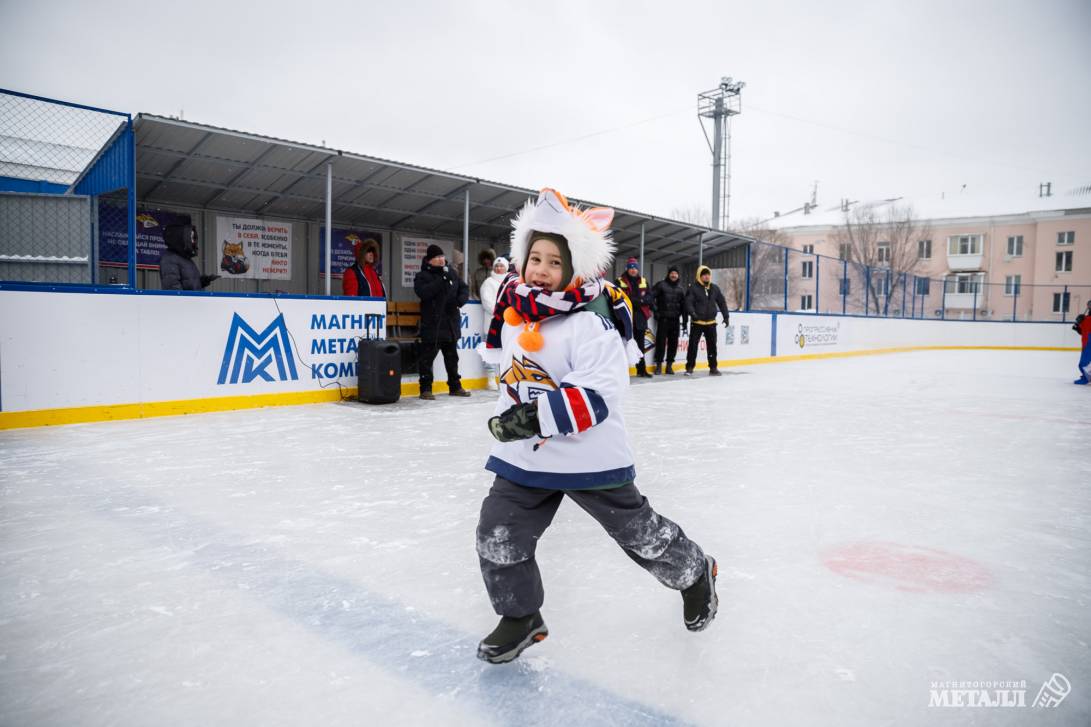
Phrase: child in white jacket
pixel 489 289
pixel 560 429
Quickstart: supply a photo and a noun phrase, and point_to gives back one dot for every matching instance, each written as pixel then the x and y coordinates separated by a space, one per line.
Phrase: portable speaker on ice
pixel 379 368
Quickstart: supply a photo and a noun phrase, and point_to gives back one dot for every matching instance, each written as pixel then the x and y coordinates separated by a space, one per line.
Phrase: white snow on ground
pixel 881 523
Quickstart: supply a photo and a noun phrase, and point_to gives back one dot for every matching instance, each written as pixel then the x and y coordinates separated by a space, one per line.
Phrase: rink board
pixel 71 356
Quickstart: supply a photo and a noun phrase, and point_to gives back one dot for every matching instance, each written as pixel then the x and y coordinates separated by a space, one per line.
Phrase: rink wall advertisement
pixel 87 356
pixel 131 353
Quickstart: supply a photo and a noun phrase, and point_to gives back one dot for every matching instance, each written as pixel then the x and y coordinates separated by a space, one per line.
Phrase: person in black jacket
pixel 640 295
pixel 177 271
pixel 441 294
pixel 702 300
pixel 668 301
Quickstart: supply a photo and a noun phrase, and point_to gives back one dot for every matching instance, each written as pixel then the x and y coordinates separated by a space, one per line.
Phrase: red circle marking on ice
pixel 907 567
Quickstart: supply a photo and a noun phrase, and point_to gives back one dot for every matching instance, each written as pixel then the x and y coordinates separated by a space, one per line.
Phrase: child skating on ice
pixel 564 371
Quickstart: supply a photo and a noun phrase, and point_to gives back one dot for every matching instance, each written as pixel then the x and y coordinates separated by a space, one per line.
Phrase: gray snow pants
pixel 513 517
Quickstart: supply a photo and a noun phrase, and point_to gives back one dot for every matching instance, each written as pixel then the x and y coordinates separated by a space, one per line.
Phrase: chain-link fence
pixel 59 163
pixel 784 279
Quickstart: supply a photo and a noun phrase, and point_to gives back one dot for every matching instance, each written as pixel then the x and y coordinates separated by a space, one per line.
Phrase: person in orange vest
pixel 640 294
pixel 362 278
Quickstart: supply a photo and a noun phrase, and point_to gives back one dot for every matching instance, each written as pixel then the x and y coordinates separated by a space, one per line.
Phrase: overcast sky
pixel 871 99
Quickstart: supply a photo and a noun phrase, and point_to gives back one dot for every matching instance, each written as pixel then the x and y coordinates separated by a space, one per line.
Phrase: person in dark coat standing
pixel 485 260
pixel 441 294
pixel 702 301
pixel 362 277
pixel 177 271
pixel 636 287
pixel 668 302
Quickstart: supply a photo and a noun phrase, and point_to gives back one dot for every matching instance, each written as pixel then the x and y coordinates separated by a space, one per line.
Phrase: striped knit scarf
pixel 537 304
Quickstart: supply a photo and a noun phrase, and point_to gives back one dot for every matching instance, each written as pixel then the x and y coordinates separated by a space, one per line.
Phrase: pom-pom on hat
pixel 585 231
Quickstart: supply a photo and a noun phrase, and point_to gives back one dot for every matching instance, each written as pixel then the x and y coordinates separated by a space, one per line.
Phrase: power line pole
pixel 720 104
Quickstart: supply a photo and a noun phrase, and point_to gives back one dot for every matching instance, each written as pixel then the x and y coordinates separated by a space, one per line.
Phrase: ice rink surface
pixel 884 525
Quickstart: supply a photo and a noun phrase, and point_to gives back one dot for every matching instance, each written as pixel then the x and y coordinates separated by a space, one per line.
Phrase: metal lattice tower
pixel 720 104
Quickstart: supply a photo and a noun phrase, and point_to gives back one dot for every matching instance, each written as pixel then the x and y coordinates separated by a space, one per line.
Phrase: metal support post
pixel 466 241
pixel 749 247
pixel 642 247
pixel 329 225
pixel 785 278
pixel 817 282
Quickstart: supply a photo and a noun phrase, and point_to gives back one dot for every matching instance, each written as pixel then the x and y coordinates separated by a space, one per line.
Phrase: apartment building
pixel 1030 265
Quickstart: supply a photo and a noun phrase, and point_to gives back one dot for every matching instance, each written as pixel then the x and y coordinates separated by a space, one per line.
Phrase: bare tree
pixel 766 267
pixel 884 242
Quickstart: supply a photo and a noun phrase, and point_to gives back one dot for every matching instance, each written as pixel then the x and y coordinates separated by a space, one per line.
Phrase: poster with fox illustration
pixel 254 248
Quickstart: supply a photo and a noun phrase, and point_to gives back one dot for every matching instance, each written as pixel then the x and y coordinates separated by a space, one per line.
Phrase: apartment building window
pixel 806 302
pixel 1060 302
pixel 883 252
pixel 846 286
pixel 924 285
pixel 808 269
pixel 1066 238
pixel 964 245
pixel 883 286
pixel 963 284
pixel 844 251
pixel 1064 262
pixel 1012 284
pixel 808 249
pixel 924 249
pixel 1015 246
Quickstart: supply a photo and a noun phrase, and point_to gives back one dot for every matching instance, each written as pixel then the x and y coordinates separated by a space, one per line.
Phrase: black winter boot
pixel 511 637
pixel 699 601
pixel 670 370
pixel 658 369
pixel 427 394
pixel 642 369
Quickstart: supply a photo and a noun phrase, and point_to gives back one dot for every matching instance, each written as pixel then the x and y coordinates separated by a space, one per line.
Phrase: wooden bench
pixel 402 320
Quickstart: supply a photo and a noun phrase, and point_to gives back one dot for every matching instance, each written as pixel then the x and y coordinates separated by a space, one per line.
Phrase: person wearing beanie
pixel 442 293
pixel 490 287
pixel 562 336
pixel 633 284
pixel 362 277
pixel 668 302
pixel 703 299
pixel 484 270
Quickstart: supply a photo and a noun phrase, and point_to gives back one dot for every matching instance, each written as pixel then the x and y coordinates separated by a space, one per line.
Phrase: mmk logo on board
pixel 249 355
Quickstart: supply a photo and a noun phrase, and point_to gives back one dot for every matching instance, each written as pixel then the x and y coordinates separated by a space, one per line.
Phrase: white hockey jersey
pixel 579 379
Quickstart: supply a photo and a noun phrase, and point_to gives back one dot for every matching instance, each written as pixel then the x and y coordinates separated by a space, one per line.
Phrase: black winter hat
pixel 433 251
pixel 673 269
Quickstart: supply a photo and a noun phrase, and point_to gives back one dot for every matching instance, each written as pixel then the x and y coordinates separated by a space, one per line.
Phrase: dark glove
pixel 206 280
pixel 727 321
pixel 518 422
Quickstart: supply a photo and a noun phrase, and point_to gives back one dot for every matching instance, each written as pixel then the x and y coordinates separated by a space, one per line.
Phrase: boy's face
pixel 544 265
pixel 706 278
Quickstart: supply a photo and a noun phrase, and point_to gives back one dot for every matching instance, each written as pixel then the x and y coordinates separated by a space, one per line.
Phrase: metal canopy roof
pixel 183 163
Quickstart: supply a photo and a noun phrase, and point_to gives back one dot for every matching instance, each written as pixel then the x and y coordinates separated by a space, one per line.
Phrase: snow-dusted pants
pixel 513 517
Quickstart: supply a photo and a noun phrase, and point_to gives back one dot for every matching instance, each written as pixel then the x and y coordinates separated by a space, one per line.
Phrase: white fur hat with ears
pixel 586 231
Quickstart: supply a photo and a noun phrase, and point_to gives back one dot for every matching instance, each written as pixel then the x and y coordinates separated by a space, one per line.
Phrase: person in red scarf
pixel 639 292
pixel 361 278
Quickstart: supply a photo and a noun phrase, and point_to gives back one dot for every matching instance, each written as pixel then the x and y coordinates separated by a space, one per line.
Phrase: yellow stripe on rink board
pixel 114 412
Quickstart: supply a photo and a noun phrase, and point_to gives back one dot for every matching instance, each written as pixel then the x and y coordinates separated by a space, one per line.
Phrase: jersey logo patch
pixel 526 380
